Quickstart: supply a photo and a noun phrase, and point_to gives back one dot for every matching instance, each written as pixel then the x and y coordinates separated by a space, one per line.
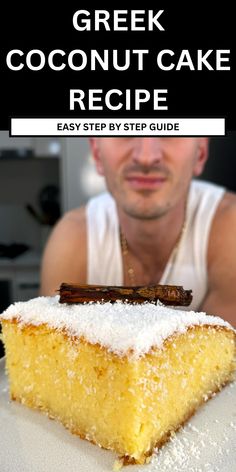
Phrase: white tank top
pixel 186 267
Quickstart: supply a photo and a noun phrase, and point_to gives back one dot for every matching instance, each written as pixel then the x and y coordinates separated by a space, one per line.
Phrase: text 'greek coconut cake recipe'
pixel 117 366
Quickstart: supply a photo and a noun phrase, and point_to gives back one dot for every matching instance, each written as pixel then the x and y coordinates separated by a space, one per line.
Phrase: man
pixel 159 227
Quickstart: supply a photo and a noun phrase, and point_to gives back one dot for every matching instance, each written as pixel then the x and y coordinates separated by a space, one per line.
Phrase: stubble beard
pixel 143 210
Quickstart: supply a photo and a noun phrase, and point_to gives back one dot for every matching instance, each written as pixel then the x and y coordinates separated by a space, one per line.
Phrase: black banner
pixel 157 60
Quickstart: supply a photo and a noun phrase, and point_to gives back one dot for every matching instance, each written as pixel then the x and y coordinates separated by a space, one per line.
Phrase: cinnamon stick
pixel 167 294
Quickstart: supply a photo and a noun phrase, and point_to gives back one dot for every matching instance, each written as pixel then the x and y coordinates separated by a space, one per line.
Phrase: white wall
pixel 79 177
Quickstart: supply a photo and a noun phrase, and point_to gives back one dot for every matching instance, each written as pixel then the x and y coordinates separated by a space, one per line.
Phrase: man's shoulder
pixel 227 209
pixel 74 222
pixel 76 216
pixel 71 228
pixel 65 256
pixel 223 230
pixel 221 298
pixel 227 202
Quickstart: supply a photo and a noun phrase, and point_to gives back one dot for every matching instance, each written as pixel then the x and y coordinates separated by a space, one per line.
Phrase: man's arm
pixel 221 297
pixel 65 256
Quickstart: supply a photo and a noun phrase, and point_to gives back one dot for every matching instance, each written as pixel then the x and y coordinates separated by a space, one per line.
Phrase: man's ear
pixel 201 156
pixel 94 145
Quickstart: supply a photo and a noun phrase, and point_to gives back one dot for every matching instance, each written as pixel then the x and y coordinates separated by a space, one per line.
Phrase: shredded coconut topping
pixel 120 327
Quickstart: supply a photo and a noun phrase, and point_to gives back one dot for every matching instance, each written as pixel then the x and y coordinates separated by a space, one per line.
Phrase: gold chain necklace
pixel 126 253
pixel 126 256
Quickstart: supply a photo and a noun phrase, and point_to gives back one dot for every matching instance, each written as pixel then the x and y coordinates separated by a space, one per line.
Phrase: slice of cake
pixel 122 376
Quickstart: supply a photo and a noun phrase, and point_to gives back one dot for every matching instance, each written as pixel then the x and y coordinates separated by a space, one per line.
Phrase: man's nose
pixel 148 151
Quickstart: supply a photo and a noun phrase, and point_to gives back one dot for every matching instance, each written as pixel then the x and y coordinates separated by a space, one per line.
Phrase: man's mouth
pixel 145 182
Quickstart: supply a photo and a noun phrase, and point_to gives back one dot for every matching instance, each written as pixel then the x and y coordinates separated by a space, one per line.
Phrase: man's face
pixel 149 176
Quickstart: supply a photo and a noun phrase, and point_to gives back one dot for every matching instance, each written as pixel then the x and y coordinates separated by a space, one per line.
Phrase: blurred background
pixel 41 179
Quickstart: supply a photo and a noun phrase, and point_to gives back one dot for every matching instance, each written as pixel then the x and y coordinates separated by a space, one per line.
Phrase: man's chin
pixel 143 212
pixel 144 204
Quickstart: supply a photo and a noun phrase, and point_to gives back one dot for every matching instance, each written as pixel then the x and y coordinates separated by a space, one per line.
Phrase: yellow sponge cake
pixel 122 376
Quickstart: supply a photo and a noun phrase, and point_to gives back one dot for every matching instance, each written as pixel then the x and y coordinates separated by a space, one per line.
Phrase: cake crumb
pixel 232 425
pixel 118 464
pixel 148 460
